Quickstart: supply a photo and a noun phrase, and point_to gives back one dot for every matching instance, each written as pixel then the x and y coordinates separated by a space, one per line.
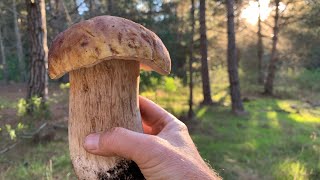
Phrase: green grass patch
pixel 276 141
pixel 43 161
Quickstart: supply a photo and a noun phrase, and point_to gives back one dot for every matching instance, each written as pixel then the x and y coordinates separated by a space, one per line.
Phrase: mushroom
pixel 104 56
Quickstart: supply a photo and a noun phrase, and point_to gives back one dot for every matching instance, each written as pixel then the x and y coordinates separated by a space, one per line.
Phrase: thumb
pixel 116 142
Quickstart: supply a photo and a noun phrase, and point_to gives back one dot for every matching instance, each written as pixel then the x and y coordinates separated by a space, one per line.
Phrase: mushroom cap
pixel 106 38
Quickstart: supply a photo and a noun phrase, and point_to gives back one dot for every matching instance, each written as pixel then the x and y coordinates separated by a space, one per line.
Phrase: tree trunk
pixel 260 48
pixel 3 57
pixel 237 106
pixel 207 100
pixel 56 7
pixel 38 80
pixel 18 44
pixel 190 112
pixel 92 8
pixel 110 7
pixel 66 12
pixel 76 7
pixel 268 87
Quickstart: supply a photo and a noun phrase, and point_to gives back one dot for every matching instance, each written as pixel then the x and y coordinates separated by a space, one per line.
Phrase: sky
pixel 83 7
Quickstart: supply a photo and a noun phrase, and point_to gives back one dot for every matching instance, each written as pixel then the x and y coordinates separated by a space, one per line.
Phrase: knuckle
pixel 180 126
pixel 152 142
pixel 176 125
pixel 149 141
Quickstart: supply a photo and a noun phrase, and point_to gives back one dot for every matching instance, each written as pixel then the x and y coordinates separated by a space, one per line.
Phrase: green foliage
pixel 290 169
pixel 311 18
pixel 309 79
pixel 36 102
pixel 11 132
pixel 64 86
pixel 22 107
pixel 154 82
pixel 1 71
pixel 170 84
pixel 39 109
pixel 14 132
pixel 20 126
pixel 13 69
pixel 167 84
pixel 148 80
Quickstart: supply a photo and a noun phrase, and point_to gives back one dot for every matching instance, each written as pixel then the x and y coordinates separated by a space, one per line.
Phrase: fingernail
pixel 91 142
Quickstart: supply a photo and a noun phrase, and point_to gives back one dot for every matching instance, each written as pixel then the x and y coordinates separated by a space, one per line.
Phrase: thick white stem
pixel 102 97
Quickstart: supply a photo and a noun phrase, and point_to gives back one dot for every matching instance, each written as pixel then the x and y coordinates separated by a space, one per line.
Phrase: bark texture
pixel 18 43
pixel 110 7
pixel 102 97
pixel 66 12
pixel 3 58
pixel 204 56
pixel 237 106
pixel 38 80
pixel 268 86
pixel 76 7
pixel 92 8
pixel 260 51
pixel 190 112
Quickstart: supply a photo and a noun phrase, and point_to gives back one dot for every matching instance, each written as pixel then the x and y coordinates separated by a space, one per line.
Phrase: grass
pixel 5 103
pixel 43 161
pixel 273 142
pixel 279 139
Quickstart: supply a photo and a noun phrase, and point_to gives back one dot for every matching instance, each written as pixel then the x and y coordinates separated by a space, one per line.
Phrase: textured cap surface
pixel 106 38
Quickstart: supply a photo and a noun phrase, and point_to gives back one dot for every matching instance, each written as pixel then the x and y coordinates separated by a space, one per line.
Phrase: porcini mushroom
pixel 104 56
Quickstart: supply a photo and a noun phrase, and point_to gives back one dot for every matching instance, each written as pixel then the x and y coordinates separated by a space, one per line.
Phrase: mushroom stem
pixel 102 97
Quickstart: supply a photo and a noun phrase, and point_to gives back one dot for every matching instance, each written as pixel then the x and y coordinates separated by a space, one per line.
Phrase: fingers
pixel 117 142
pixel 153 116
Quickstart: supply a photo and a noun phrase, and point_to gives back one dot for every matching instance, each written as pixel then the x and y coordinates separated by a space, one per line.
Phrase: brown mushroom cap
pixel 106 38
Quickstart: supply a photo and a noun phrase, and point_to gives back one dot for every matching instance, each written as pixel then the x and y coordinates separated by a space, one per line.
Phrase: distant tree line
pixel 200 36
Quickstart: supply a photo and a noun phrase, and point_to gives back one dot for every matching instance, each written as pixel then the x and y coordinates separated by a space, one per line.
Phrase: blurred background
pixel 245 79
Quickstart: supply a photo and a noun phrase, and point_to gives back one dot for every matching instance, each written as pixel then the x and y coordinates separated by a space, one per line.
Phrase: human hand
pixel 165 151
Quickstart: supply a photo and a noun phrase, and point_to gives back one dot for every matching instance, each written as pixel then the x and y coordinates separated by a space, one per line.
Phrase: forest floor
pixel 278 139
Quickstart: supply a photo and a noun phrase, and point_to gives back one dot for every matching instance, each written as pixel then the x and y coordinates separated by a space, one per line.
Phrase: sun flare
pixel 251 12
